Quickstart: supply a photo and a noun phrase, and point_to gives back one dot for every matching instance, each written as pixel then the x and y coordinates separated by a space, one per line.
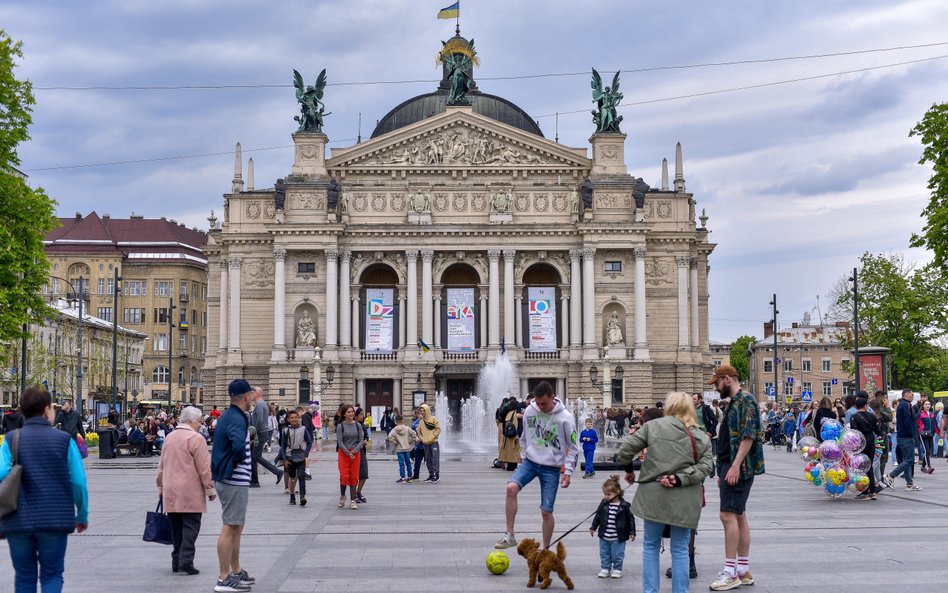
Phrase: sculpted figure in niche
pixel 305 332
pixel 500 201
pixel 344 203
pixel 574 202
pixel 614 330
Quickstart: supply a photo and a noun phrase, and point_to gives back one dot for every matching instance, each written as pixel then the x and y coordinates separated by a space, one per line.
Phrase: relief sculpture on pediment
pixel 459 147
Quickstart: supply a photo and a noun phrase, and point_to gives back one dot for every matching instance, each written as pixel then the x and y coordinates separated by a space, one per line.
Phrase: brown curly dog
pixel 544 562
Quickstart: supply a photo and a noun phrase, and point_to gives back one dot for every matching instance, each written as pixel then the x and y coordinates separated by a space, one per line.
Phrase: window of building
pixel 807 386
pixel 717 363
pixel 55 285
pixel 136 288
pixel 768 366
pixel 180 375
pixel 134 316
pixel 846 390
pixel 844 364
pixel 159 375
pixel 807 365
pixel 160 342
pixel 612 266
pixel 768 387
pixel 183 291
pixel 194 315
pixel 788 366
pixel 164 289
pixel 104 313
pixel 788 388
pixel 306 267
pixel 161 315
pixel 827 388
pixel 826 365
pixel 203 318
pixel 203 344
pixel 100 288
pixel 182 342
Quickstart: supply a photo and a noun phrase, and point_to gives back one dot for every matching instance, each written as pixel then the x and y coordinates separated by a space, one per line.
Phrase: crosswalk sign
pixel 807 396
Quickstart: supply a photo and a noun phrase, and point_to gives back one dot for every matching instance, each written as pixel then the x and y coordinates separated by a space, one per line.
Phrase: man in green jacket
pixel 740 454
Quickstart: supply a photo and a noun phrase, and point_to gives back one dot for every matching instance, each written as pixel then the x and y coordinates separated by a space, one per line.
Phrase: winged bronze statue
pixel 312 108
pixel 607 100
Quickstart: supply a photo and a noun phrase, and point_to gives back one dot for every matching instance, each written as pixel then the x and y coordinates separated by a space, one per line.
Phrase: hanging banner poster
pixel 460 317
pixel 542 316
pixel 379 319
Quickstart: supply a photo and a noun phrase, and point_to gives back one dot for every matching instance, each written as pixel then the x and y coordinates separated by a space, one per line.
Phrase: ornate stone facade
pixel 459 200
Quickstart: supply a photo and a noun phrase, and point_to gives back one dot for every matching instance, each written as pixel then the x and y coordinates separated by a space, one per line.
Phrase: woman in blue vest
pixel 53 499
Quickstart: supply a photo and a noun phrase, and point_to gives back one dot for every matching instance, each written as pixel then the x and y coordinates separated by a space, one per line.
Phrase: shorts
pixel 549 481
pixel 233 502
pixel 734 498
pixel 295 469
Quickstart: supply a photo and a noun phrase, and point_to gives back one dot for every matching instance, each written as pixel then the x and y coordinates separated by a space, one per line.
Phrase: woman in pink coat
pixel 184 483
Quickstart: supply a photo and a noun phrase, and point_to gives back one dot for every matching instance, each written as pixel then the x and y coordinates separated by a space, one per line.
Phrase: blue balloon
pixel 831 430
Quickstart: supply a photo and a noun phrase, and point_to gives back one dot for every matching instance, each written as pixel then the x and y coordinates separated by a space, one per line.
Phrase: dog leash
pixel 589 516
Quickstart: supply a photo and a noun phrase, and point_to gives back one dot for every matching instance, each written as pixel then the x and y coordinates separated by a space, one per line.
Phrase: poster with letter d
pixel 542 315
pixel 379 319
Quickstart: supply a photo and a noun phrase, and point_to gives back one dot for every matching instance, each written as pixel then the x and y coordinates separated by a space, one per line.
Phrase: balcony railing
pixel 445 355
pixel 534 355
pixel 387 356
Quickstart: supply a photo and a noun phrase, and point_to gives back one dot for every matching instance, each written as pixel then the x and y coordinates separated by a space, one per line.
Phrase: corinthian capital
pixel 493 255
pixel 639 252
pixel 589 253
pixel 575 254
pixel 332 255
pixel 682 261
pixel 412 255
pixel 427 255
pixel 235 262
pixel 279 253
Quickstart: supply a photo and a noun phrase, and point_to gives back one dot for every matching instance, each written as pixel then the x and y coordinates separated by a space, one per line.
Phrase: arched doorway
pixel 459 317
pixel 540 313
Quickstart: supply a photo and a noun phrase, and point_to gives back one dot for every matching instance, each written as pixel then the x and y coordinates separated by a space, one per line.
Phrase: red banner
pixel 872 374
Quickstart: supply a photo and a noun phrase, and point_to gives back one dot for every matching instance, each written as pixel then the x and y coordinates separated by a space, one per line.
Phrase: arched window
pixel 160 375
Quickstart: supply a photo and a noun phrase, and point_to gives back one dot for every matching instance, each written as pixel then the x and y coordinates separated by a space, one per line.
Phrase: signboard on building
pixel 542 315
pixel 380 319
pixel 460 317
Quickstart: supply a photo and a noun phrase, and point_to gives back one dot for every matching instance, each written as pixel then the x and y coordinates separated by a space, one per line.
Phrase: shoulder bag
pixel 10 486
pixel 157 526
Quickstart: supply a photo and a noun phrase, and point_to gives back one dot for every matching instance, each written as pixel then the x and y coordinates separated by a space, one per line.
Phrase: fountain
pixel 478 432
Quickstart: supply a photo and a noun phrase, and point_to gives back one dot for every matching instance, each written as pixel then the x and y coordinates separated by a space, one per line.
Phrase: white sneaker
pixel 507 540
pixel 342 502
pixel 604 573
pixel 725 582
pixel 616 574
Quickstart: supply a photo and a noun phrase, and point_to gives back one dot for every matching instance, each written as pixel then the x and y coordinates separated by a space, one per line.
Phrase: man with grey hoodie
pixel 550 450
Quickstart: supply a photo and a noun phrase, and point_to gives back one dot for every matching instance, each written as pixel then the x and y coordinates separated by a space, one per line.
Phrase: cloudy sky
pixel 798 179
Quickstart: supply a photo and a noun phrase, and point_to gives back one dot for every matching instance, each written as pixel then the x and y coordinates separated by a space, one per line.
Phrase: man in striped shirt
pixel 230 468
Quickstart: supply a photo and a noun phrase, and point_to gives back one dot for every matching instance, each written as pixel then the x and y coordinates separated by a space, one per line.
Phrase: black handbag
pixel 157 526
pixel 10 486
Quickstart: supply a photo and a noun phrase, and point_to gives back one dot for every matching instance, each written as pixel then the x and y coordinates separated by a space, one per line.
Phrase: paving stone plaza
pixel 421 537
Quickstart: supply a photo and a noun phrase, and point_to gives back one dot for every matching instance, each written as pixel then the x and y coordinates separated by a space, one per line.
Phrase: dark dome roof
pixel 431 104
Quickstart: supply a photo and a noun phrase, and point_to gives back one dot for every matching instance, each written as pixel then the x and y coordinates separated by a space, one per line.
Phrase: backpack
pixel 510 429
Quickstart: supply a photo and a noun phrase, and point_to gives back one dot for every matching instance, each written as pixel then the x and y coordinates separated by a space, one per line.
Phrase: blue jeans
pixel 588 455
pixel 404 464
pixel 549 481
pixel 907 465
pixel 611 554
pixel 46 547
pixel 680 536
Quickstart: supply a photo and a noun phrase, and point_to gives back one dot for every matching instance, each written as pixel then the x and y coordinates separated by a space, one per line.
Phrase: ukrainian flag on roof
pixel 450 12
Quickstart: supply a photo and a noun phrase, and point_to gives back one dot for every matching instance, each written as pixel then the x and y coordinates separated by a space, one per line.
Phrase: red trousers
pixel 349 469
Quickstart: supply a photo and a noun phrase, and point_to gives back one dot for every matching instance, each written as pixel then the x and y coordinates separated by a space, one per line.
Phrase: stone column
pixel 426 315
pixel 693 263
pixel 411 319
pixel 402 312
pixel 575 301
pixel 360 392
pixel 564 318
pixel 332 296
pixel 437 320
pixel 224 310
pixel 397 394
pixel 279 298
pixel 345 334
pixel 234 344
pixel 356 322
pixel 493 297
pixel 561 392
pixel 510 337
pixel 482 316
pixel 683 325
pixel 641 335
pixel 518 320
pixel 589 297
pixel 524 386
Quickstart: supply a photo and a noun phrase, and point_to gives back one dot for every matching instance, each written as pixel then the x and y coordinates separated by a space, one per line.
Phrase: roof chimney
pixel 163 218
pixel 768 329
pixel 137 216
pixel 78 216
pixel 106 216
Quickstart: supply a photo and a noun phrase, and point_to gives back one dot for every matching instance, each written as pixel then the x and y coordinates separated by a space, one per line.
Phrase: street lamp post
pixel 79 398
pixel 773 303
pixel 855 281
pixel 116 292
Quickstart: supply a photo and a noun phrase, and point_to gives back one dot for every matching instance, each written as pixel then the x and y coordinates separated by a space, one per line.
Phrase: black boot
pixel 692 569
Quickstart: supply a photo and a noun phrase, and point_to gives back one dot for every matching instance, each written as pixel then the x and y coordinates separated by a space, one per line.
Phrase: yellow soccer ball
pixel 498 562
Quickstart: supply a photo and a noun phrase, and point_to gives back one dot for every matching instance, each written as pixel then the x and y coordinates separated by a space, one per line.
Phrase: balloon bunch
pixel 836 464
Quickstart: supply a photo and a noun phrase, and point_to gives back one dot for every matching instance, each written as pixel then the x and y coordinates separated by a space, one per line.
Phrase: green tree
pixel 903 308
pixel 26 214
pixel 740 357
pixel 933 130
